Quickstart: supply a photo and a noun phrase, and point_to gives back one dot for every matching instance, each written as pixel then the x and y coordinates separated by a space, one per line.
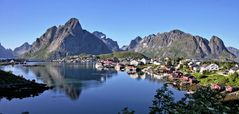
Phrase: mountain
pixel 233 50
pixel 5 53
pixel 177 43
pixel 111 44
pixel 124 47
pixel 134 43
pixel 22 49
pixel 67 39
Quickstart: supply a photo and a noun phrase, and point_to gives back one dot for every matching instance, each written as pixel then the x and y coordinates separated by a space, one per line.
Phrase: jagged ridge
pixel 177 43
pixel 68 39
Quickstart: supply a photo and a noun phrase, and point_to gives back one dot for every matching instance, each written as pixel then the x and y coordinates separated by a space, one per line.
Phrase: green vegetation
pixel 212 78
pixel 152 66
pixel 9 78
pixel 12 86
pixel 203 101
pixel 185 69
pixel 233 79
pixel 223 65
pixel 41 54
pixel 122 54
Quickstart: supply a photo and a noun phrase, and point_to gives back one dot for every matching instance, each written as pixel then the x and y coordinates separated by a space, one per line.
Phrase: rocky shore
pixel 12 86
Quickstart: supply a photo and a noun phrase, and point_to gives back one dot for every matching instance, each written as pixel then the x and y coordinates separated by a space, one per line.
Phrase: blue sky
pixel 122 20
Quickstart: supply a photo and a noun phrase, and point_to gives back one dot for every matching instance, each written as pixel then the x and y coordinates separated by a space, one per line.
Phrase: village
pixel 221 76
pixel 183 73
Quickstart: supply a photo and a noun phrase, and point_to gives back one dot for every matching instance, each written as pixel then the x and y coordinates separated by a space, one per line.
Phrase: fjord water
pixel 80 88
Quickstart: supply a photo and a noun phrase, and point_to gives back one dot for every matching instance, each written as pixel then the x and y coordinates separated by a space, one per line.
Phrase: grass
pixel 153 66
pixel 213 78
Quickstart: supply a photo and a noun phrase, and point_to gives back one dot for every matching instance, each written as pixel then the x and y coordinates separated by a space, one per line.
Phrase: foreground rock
pixel 12 86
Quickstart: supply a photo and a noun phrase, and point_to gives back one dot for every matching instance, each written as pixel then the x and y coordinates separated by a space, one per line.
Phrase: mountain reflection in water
pixel 79 87
pixel 70 78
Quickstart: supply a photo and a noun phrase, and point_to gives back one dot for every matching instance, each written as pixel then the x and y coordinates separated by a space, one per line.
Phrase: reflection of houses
pixel 119 67
pixel 131 69
pixel 134 76
pixel 137 76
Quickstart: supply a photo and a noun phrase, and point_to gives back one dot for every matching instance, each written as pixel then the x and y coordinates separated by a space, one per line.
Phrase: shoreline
pixel 12 86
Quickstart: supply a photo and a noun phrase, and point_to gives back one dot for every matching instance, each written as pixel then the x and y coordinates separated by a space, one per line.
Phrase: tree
pixel 204 100
pixel 163 101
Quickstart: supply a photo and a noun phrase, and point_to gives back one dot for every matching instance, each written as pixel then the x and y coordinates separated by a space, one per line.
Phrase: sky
pixel 122 20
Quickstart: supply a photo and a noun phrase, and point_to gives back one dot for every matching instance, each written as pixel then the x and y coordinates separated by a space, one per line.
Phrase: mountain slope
pixel 134 43
pixel 68 39
pixel 179 44
pixel 233 50
pixel 111 44
pixel 5 53
pixel 22 49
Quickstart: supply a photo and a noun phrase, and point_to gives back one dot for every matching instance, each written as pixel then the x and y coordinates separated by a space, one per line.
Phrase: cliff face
pixel 111 44
pixel 5 53
pixel 176 43
pixel 134 43
pixel 68 39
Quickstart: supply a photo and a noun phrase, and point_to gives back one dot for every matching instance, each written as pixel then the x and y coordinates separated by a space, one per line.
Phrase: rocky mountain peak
pixel 177 31
pixel 73 24
pixel 216 40
pixel 177 43
pixel 138 38
pixel 217 45
pixel 67 39
pixel 111 44
pixel 5 53
pixel 24 48
pixel 99 34
pixel 26 44
pixel 134 43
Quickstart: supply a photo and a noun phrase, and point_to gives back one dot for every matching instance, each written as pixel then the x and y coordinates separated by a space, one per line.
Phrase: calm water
pixel 83 89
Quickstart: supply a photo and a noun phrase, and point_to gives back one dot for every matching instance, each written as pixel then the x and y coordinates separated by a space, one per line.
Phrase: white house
pixel 211 67
pixel 156 63
pixel 233 70
pixel 134 62
pixel 144 61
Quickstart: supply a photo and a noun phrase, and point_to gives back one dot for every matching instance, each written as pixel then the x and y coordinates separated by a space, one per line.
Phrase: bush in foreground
pixel 204 100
